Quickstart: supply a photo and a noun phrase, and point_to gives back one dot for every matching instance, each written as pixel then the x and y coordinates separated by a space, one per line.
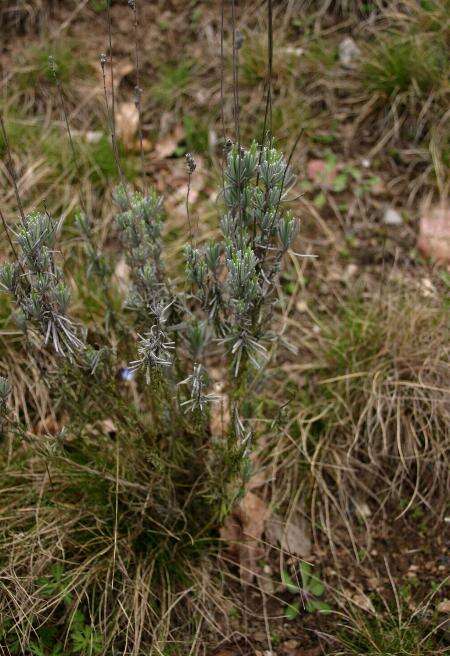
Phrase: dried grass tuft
pixel 371 429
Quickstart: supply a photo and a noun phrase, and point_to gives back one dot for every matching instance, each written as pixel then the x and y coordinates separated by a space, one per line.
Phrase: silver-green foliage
pixel 235 275
pixel 38 286
pixel 225 301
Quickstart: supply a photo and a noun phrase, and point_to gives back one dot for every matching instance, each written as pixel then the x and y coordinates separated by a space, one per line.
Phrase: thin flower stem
pixel 138 90
pixel 222 99
pixel 112 114
pixel 12 171
pixel 237 113
pixel 71 141
pixel 191 237
pixel 268 107
pixel 111 130
pixel 235 77
pixel 6 228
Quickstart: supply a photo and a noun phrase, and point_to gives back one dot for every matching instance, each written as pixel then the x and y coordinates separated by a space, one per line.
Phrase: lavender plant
pixel 133 475
pixel 152 475
pixel 235 276
pixel 225 303
pixel 38 287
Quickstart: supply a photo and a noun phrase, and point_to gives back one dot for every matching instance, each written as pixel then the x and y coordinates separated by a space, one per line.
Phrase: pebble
pixel 434 234
pixel 349 52
pixel 392 217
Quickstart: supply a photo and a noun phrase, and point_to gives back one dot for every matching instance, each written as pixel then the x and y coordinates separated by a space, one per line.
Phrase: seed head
pixel 190 163
pixel 52 66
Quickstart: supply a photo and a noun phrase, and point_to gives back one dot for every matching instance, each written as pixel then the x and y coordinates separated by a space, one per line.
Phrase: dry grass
pixel 370 425
pixel 22 16
pixel 101 519
pixel 390 627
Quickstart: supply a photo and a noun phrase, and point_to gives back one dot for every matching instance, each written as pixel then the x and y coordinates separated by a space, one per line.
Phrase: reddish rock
pixel 434 234
pixel 321 172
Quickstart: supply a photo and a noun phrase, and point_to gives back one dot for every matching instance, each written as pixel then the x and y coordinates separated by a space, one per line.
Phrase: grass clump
pixel 390 630
pixel 406 70
pixel 35 68
pixel 57 176
pixel 402 64
pixel 128 473
pixel 172 84
pixel 374 427
pixel 24 16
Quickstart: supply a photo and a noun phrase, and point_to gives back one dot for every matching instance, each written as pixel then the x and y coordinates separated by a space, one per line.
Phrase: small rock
pixel 444 607
pixel 391 217
pixel 434 234
pixel 127 123
pixel 350 271
pixel 427 288
pixel 301 306
pixel 297 52
pixel 94 136
pixel 289 646
pixel 349 52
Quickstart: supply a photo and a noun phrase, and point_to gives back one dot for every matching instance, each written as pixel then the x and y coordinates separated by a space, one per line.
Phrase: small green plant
pixel 82 639
pixel 172 83
pixel 390 630
pixel 309 589
pixel 405 64
pixel 99 5
pixel 197 138
pixel 36 70
pixel 85 640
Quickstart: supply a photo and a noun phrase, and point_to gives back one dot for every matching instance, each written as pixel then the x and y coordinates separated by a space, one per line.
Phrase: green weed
pixel 309 588
pixel 196 135
pixel 34 70
pixel 172 83
pixel 401 64
pixel 390 631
